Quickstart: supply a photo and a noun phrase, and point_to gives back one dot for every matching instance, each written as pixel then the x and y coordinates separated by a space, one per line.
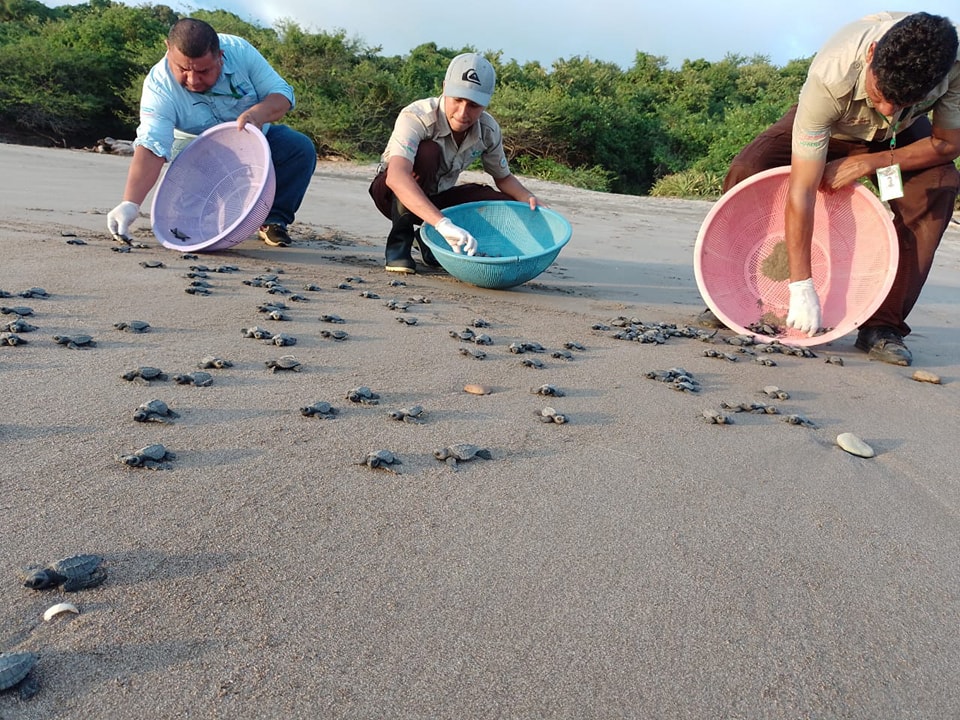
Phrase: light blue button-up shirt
pixel 246 79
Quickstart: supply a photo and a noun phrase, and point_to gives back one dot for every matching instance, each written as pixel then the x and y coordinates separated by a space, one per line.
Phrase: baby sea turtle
pixel 18 326
pixel 330 318
pixel 480 323
pixel 396 283
pixel 755 408
pixel 257 333
pixel 20 310
pixel 212 361
pixel 573 345
pixel 311 287
pixel 179 235
pixel 475 354
pixel 284 362
pixel 152 457
pixel 154 411
pixel 550 415
pixel 282 340
pixel 721 355
pixel 12 339
pixel 195 289
pixel 268 308
pixel 383 459
pixel 768 361
pixel 198 378
pixel 319 409
pixel 533 362
pixel 133 326
pixel 833 360
pixel 482 339
pixel 334 334
pixel 419 299
pixel 714 417
pixel 461 452
pixel 466 334
pixel 370 295
pixel 15 673
pixel 363 395
pixel 562 354
pixel 34 292
pixel 145 373
pixel 774 392
pixel 547 391
pixel 396 305
pixel 799 420
pixel 152 264
pixel 414 414
pixel 406 320
pixel 75 342
pixel 76 572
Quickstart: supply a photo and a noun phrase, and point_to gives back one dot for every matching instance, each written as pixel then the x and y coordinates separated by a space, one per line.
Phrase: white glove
pixel 458 238
pixel 804 314
pixel 121 218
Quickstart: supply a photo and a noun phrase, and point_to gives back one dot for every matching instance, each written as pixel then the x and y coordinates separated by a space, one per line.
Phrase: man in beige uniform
pixel 433 141
pixel 863 110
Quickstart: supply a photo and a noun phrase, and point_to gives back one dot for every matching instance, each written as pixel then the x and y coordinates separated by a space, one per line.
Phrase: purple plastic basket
pixel 217 192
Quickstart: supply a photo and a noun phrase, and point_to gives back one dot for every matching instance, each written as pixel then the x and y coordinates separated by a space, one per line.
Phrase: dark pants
pixel 294 160
pixel 920 217
pixel 426 167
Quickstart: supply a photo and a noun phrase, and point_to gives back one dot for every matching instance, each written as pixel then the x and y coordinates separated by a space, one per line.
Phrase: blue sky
pixel 608 30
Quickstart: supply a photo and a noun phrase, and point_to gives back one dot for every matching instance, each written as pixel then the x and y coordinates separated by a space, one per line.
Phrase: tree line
pixel 72 74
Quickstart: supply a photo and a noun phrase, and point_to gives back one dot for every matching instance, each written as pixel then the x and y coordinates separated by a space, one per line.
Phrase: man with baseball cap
pixel 433 141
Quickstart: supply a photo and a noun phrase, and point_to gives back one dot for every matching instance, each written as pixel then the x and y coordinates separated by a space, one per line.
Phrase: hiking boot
pixel 708 320
pixel 274 235
pixel 400 240
pixel 884 344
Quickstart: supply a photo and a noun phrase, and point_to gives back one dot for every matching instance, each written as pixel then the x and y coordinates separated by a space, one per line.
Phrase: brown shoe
pixel 884 344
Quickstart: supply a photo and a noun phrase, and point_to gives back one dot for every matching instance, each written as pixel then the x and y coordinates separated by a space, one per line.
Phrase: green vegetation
pixel 72 74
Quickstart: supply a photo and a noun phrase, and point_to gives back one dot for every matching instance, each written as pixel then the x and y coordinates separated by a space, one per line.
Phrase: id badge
pixel 891 184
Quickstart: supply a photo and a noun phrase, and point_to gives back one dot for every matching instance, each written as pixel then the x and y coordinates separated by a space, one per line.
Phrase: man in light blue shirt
pixel 206 79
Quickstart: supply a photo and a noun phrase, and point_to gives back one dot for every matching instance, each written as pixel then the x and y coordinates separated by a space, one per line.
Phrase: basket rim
pixel 264 179
pixel 855 188
pixel 503 259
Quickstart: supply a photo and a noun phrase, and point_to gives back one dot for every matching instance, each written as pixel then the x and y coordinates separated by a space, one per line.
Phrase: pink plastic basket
pixel 740 257
pixel 217 191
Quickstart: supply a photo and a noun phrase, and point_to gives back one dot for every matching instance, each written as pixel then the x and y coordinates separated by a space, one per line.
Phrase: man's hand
pixel 804 313
pixel 121 218
pixel 458 238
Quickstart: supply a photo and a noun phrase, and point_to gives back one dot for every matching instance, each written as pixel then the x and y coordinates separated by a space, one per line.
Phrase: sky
pixel 548 30
pixel 607 30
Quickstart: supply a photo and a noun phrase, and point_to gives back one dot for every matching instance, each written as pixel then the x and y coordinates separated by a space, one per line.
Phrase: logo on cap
pixel 471 77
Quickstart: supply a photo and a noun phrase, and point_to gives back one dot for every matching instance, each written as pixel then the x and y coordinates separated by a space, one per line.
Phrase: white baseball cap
pixel 470 76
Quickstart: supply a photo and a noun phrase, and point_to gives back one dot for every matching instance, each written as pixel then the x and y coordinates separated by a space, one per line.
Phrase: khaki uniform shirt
pixel 834 102
pixel 425 120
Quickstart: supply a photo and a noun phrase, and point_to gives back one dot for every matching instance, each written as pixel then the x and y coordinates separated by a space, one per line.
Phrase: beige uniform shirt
pixel 425 120
pixel 834 102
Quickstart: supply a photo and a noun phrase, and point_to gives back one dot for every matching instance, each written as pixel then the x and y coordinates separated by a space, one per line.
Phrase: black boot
pixel 400 240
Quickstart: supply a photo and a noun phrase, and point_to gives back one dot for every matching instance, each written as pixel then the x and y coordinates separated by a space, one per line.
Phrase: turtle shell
pixel 14 667
pixel 77 565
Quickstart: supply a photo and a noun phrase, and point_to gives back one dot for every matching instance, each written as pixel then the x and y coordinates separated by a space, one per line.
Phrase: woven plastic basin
pixel 740 258
pixel 217 191
pixel 514 243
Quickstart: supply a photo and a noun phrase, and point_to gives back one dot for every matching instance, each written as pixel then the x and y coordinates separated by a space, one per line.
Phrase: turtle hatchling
pixel 258 333
pixel 406 320
pixel 319 409
pixel 282 340
pixel 413 414
pixel 363 395
pixel 21 310
pixel 145 373
pixel 152 457
pixel 475 354
pixel 547 391
pixel 155 411
pixel 550 415
pixel 533 362
pixel 34 292
pixel 461 452
pixel 15 673
pixel 198 378
pixel 284 362
pixel 212 361
pixel 75 342
pixel 331 318
pixel 77 572
pixel 18 326
pixel 133 326
pixel 9 338
pixel 383 459
pixel 335 334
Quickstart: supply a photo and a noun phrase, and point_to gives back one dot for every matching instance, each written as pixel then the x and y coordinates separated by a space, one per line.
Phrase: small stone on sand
pixel 476 389
pixel 854 445
pixel 926 376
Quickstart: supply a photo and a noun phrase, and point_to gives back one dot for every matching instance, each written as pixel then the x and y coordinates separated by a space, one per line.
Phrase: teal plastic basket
pixel 514 243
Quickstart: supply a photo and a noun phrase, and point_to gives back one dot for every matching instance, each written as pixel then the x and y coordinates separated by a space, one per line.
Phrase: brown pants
pixel 920 217
pixel 426 167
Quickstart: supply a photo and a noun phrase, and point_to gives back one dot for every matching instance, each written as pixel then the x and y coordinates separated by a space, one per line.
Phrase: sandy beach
pixel 634 562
